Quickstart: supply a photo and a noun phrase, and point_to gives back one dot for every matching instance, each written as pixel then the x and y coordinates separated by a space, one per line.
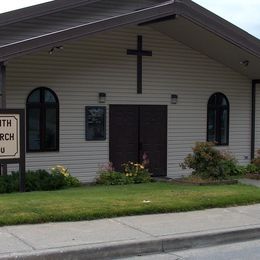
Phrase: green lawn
pixel 95 202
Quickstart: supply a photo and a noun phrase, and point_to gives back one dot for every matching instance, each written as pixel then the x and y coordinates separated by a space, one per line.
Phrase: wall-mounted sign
pixel 12 140
pixel 95 123
pixel 9 136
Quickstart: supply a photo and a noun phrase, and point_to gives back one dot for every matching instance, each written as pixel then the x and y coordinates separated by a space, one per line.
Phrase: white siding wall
pixel 100 64
pixel 257 125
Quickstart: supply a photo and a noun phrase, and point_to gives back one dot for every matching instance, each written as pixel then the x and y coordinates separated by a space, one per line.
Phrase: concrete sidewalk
pixel 126 236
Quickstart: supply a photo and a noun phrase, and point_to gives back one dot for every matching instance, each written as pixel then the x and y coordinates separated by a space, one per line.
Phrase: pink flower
pixel 146 160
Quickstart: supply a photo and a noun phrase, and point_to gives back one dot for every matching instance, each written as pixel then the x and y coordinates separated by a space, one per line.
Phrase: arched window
pixel 218 119
pixel 42 118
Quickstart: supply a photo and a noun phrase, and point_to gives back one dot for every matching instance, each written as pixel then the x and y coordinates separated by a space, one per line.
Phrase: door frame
pixel 166 130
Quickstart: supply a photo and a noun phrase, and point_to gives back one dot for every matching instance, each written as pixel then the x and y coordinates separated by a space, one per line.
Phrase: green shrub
pixel 112 178
pixel 252 169
pixel 231 168
pixel 241 170
pixel 132 174
pixel 39 180
pixel 137 172
pixel 256 161
pixel 68 179
pixel 42 180
pixel 210 163
pixel 9 183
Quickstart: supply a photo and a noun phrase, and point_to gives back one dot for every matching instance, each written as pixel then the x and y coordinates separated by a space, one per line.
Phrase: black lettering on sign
pixel 8 123
pixel 2 150
pixel 12 137
pixel 7 137
pixel 5 123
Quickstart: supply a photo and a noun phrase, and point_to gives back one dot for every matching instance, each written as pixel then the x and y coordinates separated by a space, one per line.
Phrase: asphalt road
pixel 238 251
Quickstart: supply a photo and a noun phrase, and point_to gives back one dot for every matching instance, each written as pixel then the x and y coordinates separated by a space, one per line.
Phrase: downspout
pixel 253 117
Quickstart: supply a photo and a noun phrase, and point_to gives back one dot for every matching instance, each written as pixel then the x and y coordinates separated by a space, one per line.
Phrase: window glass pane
pixel 49 97
pixel 218 113
pixel 42 120
pixel 50 131
pixel 224 102
pixel 34 128
pixel 95 123
pixel 35 96
pixel 212 100
pixel 212 126
pixel 221 100
pixel 224 126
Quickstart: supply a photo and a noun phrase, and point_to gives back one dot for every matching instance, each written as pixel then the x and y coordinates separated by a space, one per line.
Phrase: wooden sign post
pixel 12 141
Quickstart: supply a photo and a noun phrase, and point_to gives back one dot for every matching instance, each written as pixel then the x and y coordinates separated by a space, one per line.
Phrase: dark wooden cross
pixel 139 53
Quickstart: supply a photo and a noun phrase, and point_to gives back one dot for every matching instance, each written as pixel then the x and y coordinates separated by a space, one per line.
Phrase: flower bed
pixel 133 173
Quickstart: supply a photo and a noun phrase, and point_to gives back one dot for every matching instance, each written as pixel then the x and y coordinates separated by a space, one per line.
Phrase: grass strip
pixel 88 203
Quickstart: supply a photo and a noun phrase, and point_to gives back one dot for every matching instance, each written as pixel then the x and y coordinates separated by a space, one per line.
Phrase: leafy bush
pixel 133 173
pixel 252 169
pixel 256 161
pixel 39 180
pixel 108 176
pixel 137 172
pixel 210 163
pixel 112 178
pixel 69 180
pixel 241 170
pixel 9 183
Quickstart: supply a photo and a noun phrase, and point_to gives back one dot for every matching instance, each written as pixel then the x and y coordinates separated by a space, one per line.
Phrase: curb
pixel 128 249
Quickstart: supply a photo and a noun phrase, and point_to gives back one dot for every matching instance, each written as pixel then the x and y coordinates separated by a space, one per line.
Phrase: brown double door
pixel 135 130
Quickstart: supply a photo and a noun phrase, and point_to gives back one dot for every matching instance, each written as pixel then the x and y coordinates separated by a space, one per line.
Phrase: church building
pixel 113 80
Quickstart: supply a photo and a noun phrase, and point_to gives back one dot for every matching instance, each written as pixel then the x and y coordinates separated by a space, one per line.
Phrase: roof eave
pixel 219 26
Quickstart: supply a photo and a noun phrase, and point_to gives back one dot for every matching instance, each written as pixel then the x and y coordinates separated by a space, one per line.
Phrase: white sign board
pixel 10 136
